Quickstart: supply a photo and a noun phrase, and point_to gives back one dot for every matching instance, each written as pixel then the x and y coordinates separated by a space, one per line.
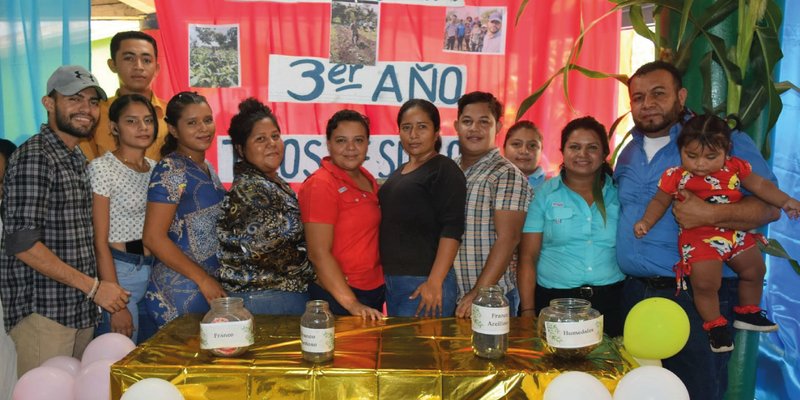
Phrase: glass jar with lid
pixel 490 323
pixel 317 332
pixel 227 329
pixel 571 327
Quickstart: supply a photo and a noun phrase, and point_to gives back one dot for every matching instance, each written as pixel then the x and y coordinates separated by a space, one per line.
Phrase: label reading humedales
pixel 226 334
pixel 571 335
pixel 316 340
pixel 490 320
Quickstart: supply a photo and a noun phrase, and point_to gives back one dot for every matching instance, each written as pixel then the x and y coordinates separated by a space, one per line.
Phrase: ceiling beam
pixel 145 6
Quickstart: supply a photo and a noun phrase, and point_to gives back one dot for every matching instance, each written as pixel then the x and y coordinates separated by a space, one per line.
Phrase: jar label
pixel 226 334
pixel 490 320
pixel 571 335
pixel 316 340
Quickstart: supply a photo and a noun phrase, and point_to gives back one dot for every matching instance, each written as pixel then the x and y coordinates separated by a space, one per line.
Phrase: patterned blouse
pixel 262 241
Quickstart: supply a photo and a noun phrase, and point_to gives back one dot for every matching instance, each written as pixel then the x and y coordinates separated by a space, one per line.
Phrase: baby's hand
pixel 792 208
pixel 640 229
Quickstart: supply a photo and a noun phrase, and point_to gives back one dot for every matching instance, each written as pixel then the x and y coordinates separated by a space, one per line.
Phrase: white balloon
pixel 152 388
pixel 576 385
pixel 651 383
pixel 643 362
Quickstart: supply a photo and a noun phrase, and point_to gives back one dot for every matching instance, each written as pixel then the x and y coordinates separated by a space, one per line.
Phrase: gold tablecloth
pixel 396 358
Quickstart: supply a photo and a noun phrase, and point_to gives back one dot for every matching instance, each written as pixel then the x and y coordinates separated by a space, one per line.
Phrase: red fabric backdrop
pixel 535 49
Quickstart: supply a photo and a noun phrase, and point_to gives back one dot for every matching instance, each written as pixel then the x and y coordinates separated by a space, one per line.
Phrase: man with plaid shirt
pixel 498 195
pixel 48 271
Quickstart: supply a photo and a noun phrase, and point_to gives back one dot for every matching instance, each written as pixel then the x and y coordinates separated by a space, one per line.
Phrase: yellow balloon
pixel 656 328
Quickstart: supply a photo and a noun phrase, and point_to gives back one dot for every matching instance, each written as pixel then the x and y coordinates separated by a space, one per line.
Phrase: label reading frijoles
pixel 490 320
pixel 572 335
pixel 226 334
pixel 316 340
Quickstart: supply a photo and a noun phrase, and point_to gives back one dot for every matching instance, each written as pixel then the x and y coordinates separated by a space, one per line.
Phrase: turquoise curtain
pixel 778 372
pixel 36 36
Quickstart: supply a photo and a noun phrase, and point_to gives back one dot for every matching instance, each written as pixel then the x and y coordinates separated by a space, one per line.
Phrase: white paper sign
pixel 316 80
pixel 316 340
pixel 226 334
pixel 490 320
pixel 572 335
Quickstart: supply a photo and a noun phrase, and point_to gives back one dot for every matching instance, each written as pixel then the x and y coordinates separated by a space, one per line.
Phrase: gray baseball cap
pixel 71 79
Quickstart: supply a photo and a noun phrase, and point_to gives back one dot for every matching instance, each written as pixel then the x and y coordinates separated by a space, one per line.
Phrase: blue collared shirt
pixel 577 245
pixel 637 180
pixel 537 178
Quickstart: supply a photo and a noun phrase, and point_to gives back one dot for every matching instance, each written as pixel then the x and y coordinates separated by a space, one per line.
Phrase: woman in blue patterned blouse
pixel 183 205
pixel 262 242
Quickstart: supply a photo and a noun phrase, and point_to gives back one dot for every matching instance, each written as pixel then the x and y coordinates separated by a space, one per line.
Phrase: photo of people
pixel 214 56
pixel 475 30
pixel 354 31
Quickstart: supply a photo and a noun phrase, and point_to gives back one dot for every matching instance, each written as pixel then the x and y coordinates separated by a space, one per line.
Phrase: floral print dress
pixel 178 180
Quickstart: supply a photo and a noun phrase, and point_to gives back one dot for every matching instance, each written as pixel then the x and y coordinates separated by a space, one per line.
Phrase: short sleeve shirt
pixel 720 187
pixel 578 245
pixel 127 191
pixel 330 196
pixel 493 183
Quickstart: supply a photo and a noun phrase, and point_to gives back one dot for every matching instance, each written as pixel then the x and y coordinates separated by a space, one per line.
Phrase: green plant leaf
pixel 784 86
pixel 687 9
pixel 611 132
pixel 522 7
pixel 639 25
pixel 774 248
pixel 705 72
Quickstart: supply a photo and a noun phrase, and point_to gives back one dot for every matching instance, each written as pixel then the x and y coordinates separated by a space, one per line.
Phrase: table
pixel 396 358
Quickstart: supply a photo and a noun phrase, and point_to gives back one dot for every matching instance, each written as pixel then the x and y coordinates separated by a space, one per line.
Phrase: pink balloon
pixel 109 346
pixel 44 383
pixel 66 363
pixel 94 381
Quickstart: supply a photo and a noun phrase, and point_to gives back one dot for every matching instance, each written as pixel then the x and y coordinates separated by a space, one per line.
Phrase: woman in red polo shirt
pixel 341 216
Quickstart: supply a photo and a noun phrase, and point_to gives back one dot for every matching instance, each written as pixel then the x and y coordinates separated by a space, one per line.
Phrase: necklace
pixel 141 166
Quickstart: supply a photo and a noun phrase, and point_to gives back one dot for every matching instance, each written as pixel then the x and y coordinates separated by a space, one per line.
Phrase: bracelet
pixel 93 292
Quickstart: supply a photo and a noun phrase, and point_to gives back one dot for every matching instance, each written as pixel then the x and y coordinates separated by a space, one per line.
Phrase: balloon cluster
pixel 68 378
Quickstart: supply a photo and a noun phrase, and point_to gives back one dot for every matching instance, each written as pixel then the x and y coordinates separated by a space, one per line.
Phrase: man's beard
pixel 670 117
pixel 64 124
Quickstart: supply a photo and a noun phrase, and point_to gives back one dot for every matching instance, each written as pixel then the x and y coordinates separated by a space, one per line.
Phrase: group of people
pixel 147 232
pixel 470 35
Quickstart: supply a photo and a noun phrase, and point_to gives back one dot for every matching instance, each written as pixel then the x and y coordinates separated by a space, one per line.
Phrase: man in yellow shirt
pixel 134 58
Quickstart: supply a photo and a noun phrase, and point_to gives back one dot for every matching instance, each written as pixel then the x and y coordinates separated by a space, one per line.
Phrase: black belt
pixel 583 292
pixel 659 282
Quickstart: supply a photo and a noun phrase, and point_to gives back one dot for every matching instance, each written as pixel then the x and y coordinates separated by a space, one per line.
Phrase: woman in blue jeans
pixel 422 219
pixel 119 182
pixel 262 250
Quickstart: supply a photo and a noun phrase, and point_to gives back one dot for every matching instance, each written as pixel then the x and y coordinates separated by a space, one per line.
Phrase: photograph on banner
pixel 214 59
pixel 475 30
pixel 354 31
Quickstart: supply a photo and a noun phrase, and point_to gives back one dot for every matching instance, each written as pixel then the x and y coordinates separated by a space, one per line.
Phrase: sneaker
pixel 754 321
pixel 719 337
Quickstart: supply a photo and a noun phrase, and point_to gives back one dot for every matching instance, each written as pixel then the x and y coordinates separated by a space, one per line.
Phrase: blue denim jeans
pixel 133 272
pixel 513 302
pixel 704 372
pixel 274 302
pixel 371 298
pixel 400 287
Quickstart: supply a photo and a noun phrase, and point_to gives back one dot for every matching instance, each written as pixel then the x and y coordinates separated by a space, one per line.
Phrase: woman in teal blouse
pixel 568 244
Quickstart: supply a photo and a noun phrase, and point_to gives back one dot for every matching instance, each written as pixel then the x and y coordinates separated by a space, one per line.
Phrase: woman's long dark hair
pixel 605 171
pixel 175 108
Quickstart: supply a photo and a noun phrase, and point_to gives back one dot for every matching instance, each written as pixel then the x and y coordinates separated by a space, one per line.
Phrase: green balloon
pixel 656 328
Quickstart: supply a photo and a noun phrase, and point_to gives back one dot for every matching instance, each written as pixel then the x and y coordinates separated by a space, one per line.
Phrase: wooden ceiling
pixel 122 9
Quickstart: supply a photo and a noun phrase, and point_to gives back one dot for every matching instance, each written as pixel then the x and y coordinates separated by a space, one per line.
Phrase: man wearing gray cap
pixel 48 273
pixel 493 41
